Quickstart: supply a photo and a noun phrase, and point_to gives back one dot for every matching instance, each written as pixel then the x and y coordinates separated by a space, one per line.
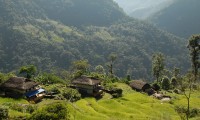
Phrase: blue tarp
pixel 32 93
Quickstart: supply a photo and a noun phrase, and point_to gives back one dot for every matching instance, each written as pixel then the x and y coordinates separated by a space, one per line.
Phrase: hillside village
pixel 89 60
pixel 37 91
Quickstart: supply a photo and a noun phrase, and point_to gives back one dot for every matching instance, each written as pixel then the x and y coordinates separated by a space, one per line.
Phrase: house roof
pixel 138 84
pixel 86 80
pixel 19 83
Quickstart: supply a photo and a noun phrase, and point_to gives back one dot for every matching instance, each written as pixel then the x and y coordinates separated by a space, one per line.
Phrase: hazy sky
pixel 143 8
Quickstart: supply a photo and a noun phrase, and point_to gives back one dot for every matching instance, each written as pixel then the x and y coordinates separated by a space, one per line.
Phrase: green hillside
pixel 34 32
pixel 132 105
pixel 180 18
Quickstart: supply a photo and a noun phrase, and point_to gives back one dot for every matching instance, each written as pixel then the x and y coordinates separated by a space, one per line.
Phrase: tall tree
pixel 112 57
pixel 29 71
pixel 80 67
pixel 158 66
pixel 99 69
pixel 185 85
pixel 194 47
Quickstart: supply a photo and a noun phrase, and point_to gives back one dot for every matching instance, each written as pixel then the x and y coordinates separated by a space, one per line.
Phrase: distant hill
pixel 79 12
pixel 52 34
pixel 142 9
pixel 180 18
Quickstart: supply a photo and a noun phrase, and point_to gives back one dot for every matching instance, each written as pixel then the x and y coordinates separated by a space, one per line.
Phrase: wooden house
pixel 88 86
pixel 16 87
pixel 141 86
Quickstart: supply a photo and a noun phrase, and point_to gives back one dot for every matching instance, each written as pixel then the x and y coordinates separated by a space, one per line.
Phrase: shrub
pixel 17 107
pixel 3 113
pixel 48 78
pixel 182 111
pixel 71 94
pixel 58 109
pixel 59 97
pixel 174 82
pixel 30 109
pixel 55 111
pixel 156 87
pixel 55 90
pixel 194 112
pixel 177 91
pixel 115 92
pixel 42 115
pixel 165 83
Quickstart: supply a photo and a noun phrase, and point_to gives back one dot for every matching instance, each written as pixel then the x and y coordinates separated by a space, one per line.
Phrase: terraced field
pixel 131 106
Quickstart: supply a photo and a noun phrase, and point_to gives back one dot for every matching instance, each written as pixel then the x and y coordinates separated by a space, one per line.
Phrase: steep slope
pixel 77 12
pixel 181 18
pixel 31 37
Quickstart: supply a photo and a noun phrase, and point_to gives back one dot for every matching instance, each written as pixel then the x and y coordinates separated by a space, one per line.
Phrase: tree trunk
pixel 188 108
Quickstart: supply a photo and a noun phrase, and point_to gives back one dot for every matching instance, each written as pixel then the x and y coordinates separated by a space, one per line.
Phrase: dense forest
pixel 34 32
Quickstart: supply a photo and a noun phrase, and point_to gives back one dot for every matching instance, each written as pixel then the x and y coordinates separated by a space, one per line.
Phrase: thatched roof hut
pixel 84 80
pixel 139 85
pixel 88 85
pixel 19 83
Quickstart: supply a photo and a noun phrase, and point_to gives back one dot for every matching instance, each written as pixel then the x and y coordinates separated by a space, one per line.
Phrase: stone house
pixel 17 87
pixel 88 85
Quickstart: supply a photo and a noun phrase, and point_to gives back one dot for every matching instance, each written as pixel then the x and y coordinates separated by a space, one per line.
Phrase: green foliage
pixel 111 88
pixel 182 111
pixel 27 24
pixel 100 69
pixel 4 77
pixel 71 94
pixel 42 115
pixel 55 90
pixel 3 113
pixel 116 92
pixel 49 78
pixel 112 57
pixel 30 109
pixel 174 82
pixel 156 87
pixel 59 109
pixel 24 108
pixel 28 70
pixel 158 66
pixel 80 67
pixel 17 107
pixel 194 48
pixel 165 83
pixel 176 72
pixel 55 111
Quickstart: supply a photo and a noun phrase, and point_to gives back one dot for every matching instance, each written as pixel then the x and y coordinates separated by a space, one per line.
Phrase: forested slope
pixel 180 18
pixel 30 34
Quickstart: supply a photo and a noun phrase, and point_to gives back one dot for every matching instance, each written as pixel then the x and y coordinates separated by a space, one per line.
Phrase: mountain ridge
pixel 37 39
pixel 185 20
